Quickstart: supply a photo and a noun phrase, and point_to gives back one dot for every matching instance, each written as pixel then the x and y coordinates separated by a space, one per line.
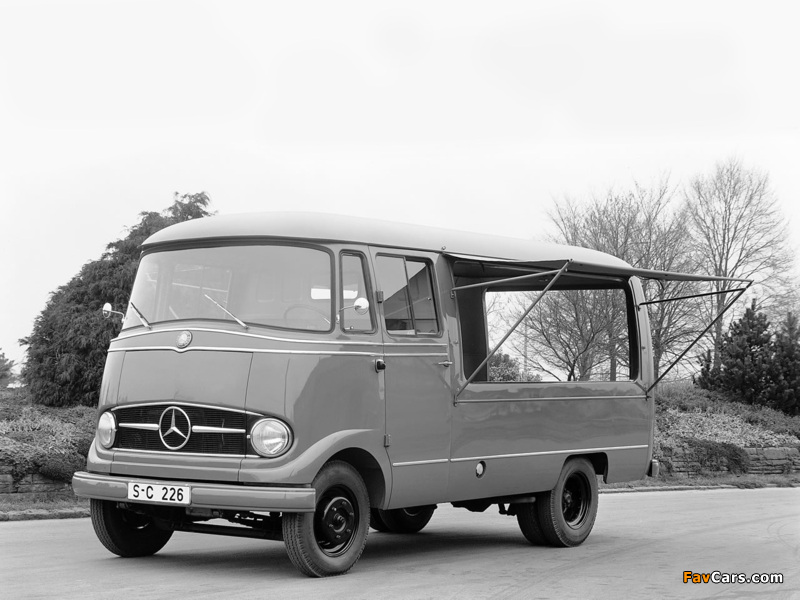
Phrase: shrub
pixel 721 427
pixel 686 398
pixel 52 442
pixel 61 467
pixel 20 457
pixel 701 455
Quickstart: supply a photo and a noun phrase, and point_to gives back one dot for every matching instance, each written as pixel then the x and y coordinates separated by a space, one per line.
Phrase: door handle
pixel 380 365
pixel 445 363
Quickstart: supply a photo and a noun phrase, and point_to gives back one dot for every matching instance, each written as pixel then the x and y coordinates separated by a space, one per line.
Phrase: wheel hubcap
pixel 335 522
pixel 575 500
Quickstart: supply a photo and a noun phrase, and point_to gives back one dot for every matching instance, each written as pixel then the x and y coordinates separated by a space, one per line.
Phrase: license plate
pixel 163 494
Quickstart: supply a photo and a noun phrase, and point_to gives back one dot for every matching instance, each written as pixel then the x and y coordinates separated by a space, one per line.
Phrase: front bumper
pixel 204 495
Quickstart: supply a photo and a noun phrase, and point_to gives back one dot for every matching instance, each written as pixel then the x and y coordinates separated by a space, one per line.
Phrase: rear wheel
pixel 406 520
pixel 330 540
pixel 125 532
pixel 528 521
pixel 568 511
pixel 376 520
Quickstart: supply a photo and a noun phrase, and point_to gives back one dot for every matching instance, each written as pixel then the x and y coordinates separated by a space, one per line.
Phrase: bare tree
pixel 563 337
pixel 738 231
pixel 640 227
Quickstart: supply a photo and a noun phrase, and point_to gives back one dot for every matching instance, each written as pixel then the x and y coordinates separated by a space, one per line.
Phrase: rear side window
pixel 409 307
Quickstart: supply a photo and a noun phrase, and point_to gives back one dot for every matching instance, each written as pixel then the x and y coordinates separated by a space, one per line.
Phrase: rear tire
pixel 568 511
pixel 330 540
pixel 124 532
pixel 407 520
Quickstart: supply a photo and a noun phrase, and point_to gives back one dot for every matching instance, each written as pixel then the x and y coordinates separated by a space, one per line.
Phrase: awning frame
pixel 553 268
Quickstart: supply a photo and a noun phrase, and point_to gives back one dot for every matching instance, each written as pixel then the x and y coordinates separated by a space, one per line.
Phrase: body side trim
pixel 414 463
pixel 616 397
pixel 550 452
pixel 271 338
pixel 246 350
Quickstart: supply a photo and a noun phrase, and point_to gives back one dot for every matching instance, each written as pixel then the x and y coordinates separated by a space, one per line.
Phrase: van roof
pixel 320 227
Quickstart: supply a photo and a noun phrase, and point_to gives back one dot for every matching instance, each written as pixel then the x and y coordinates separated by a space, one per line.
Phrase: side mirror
pixel 108 311
pixel 361 306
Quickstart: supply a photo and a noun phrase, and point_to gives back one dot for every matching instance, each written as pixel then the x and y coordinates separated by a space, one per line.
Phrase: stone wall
pixel 773 461
pixel 32 483
pixel 762 461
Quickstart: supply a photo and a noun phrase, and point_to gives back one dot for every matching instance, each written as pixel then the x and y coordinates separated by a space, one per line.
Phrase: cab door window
pixel 354 286
pixel 409 307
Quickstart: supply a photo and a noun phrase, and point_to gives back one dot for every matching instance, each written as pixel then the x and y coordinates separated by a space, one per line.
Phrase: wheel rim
pixel 575 499
pixel 336 521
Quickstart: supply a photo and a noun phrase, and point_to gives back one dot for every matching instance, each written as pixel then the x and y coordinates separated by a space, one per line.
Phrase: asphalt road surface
pixel 641 546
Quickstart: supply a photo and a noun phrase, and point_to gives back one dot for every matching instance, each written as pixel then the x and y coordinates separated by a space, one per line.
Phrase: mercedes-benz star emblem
pixel 174 428
pixel 184 339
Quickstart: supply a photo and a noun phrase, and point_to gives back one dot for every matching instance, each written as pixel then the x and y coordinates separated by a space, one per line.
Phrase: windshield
pixel 271 285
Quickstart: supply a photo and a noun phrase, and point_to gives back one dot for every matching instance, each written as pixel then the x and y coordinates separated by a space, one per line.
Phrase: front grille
pixel 166 427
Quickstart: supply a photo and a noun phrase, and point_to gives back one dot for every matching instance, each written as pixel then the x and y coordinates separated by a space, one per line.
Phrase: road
pixel 640 547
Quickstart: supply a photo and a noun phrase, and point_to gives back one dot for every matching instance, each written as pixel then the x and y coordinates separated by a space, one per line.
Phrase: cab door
pixel 416 373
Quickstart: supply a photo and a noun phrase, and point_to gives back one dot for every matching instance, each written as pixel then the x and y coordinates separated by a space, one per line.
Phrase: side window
pixel 409 307
pixel 354 286
pixel 571 335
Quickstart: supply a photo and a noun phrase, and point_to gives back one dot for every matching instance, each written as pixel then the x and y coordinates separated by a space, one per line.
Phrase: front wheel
pixel 124 532
pixel 330 540
pixel 566 513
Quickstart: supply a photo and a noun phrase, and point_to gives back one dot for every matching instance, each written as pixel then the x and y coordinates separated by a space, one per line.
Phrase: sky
pixel 468 115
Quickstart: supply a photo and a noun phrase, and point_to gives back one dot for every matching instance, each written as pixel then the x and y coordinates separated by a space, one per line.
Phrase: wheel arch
pixel 599 461
pixel 370 471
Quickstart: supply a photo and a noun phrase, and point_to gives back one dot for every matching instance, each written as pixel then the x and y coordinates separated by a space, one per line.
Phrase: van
pixel 305 377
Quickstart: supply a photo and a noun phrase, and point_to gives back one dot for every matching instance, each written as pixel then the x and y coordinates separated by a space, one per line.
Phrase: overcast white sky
pixel 469 115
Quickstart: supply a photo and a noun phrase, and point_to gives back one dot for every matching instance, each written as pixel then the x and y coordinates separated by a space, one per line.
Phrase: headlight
pixel 106 430
pixel 270 437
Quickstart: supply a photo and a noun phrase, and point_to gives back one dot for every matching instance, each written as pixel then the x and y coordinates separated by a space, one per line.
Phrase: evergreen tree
pixel 710 377
pixel 746 356
pixel 783 392
pixel 66 350
pixel 6 376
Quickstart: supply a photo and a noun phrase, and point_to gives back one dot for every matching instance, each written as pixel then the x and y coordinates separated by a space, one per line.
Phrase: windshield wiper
pixel 226 311
pixel 140 315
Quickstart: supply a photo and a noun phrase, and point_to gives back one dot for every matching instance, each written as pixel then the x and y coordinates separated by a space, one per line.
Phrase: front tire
pixel 568 511
pixel 406 520
pixel 330 540
pixel 124 532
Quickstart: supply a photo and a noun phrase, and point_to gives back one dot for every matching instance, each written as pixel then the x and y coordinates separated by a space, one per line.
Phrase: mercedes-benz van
pixel 305 377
